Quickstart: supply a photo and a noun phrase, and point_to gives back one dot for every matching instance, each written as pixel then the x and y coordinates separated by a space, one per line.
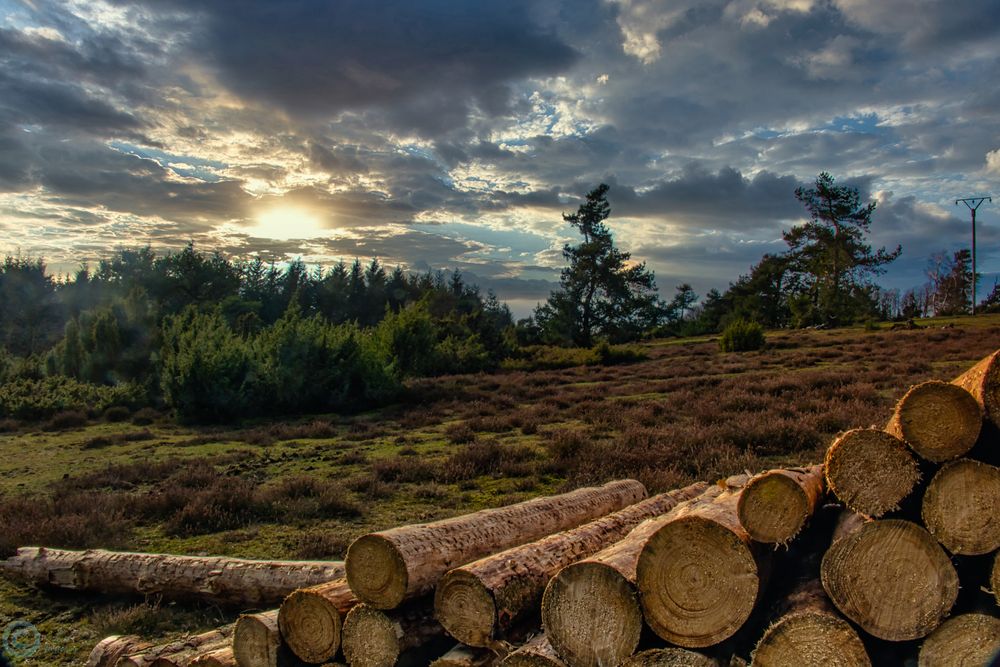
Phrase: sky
pixel 454 134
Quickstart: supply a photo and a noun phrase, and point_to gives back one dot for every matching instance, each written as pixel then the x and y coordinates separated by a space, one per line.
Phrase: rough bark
pixel 311 619
pixel 220 657
pixel 388 567
pixel 961 507
pixel 892 578
pixel 466 656
pixel 536 653
pixel 590 609
pixel 938 420
pixel 669 657
pixel 775 505
pixel 230 581
pixel 478 602
pixel 699 575
pixel 870 471
pixel 809 632
pixel 110 649
pixel 179 653
pixel 257 642
pixel 983 382
pixel 967 639
pixel 375 638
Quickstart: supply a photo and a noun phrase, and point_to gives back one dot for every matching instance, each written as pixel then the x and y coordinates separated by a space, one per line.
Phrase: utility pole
pixel 973 203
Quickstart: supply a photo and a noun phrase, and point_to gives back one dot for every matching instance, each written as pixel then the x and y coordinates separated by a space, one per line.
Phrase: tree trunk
pixel 775 505
pixel 669 657
pixel 110 649
pixel 983 382
pixel 810 633
pixel 179 653
pixel 310 620
pixel 230 581
pixel 466 656
pixel 891 578
pixel 257 642
pixel 536 653
pixel 388 567
pixel 870 471
pixel 967 639
pixel 938 420
pixel 374 638
pixel 220 657
pixel 961 507
pixel 478 602
pixel 699 575
pixel 590 609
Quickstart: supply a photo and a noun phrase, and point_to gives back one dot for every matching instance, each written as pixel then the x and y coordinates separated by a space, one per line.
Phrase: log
pixel 966 639
pixel 257 642
pixel 983 382
pixel 375 638
pixel 388 567
pixel 110 649
pixel 590 609
pixel 892 578
pixel 961 507
pixel 311 619
pixel 466 656
pixel 775 505
pixel 938 420
pixel 870 471
pixel 181 652
pixel 810 633
pixel 670 657
pixel 995 578
pixel 220 657
pixel 230 581
pixel 477 603
pixel 536 653
pixel 699 575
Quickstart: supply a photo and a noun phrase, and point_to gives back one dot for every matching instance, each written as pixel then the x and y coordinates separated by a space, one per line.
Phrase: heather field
pixel 306 488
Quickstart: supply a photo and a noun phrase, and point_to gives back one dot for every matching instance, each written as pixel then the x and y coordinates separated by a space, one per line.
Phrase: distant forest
pixel 218 339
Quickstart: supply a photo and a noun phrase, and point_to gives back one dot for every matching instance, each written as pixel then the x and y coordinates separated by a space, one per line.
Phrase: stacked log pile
pixel 748 568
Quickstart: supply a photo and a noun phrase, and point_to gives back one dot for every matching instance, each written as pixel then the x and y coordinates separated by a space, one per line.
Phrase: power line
pixel 973 203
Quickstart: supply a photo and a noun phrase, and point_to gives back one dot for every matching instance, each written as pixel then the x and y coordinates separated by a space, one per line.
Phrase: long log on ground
pixel 810 633
pixel 938 420
pixel 220 657
pixel 892 578
pixel 590 609
pixel 966 639
pixel 536 653
pixel 179 653
pixel 670 657
pixel 231 581
pixel 311 620
pixel 110 649
pixel 983 382
pixel 870 471
pixel 478 602
pixel 699 575
pixel 466 656
pixel 775 505
pixel 388 567
pixel 375 638
pixel 961 507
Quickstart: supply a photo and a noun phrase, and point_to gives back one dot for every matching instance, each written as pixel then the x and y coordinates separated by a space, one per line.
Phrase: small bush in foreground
pixel 742 336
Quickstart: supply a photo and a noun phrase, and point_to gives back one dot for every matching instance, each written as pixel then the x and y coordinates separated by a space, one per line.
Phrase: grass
pixel 306 488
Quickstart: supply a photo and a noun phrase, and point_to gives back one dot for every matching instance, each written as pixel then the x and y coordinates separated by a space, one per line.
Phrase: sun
pixel 283 223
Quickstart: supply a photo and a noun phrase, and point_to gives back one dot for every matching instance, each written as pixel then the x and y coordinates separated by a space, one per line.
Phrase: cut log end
pixel 699 582
pixel 591 615
pixel 960 507
pixel 310 626
pixel 376 572
pixel 669 657
pixel 110 649
pixel 465 608
pixel 256 641
pixel 811 639
pixel 220 657
pixel 369 638
pixel 466 656
pixel 538 652
pixel 891 578
pixel 983 382
pixel 773 508
pixel 870 471
pixel 995 578
pixel 967 639
pixel 939 420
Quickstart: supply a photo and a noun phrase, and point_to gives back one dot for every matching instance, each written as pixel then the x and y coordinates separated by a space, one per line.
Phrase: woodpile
pixel 752 567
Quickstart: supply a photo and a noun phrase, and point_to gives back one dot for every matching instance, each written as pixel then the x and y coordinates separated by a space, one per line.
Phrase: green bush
pixel 742 336
pixel 39 399
pixel 547 357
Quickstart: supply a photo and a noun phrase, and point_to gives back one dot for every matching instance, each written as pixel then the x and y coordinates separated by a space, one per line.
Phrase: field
pixel 306 488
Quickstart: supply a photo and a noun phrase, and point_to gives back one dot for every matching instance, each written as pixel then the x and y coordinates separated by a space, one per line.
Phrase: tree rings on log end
pixel 256 640
pixel 773 508
pixel 465 608
pixel 698 582
pixel 369 638
pixel 967 639
pixel 669 657
pixel 938 420
pixel 376 572
pixel 961 507
pixel 310 626
pixel 811 639
pixel 870 471
pixel 591 615
pixel 892 578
